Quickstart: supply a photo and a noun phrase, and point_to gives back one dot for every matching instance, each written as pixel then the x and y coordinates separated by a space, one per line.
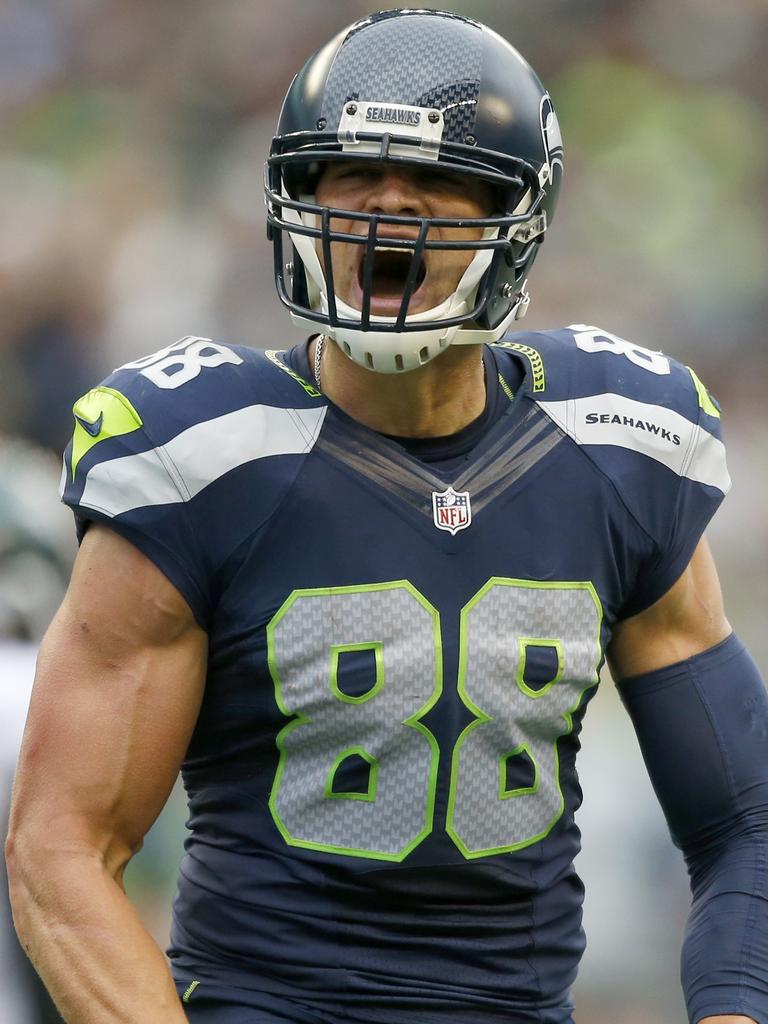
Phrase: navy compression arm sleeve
pixel 702 725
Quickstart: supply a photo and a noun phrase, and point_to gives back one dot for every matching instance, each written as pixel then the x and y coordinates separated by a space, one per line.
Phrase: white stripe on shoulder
pixel 662 434
pixel 192 460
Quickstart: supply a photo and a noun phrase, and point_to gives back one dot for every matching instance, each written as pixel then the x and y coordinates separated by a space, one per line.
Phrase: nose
pixel 396 191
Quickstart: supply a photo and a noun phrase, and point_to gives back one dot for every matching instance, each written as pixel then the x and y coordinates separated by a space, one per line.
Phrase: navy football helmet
pixel 426 89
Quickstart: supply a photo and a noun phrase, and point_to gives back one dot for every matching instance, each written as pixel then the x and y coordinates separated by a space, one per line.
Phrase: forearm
pixel 119 682
pixel 725 952
pixel 711 776
pixel 85 939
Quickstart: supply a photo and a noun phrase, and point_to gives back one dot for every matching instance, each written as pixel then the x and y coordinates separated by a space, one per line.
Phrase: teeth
pixel 390 248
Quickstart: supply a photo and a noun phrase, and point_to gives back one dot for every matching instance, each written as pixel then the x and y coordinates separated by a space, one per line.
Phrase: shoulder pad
pixel 197 379
pixel 604 391
pixel 155 447
pixel 161 428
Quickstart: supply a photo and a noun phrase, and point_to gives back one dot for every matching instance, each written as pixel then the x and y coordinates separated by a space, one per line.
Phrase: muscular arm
pixel 118 688
pixel 688 620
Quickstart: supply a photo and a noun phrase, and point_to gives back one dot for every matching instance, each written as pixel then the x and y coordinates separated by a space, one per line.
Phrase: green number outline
pixel 481 717
pixel 378 652
pixel 523 643
pixel 507 794
pixel 373 776
pixel 299 719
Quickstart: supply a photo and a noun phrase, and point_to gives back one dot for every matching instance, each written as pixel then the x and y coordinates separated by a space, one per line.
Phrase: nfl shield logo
pixel 451 510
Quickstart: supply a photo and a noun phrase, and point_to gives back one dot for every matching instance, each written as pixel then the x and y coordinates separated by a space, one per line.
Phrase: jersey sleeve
pixel 702 483
pixel 115 473
pixel 187 453
pixel 653 430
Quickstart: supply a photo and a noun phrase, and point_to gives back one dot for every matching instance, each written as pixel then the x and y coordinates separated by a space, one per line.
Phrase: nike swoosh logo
pixel 92 428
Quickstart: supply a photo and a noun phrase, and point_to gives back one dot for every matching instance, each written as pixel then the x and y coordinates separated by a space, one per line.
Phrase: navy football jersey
pixel 382 780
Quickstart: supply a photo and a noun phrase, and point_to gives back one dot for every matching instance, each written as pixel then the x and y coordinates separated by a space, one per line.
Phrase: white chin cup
pixel 392 353
pixel 397 352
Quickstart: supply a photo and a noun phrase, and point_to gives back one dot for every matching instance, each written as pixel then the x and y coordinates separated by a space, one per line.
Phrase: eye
pixel 353 172
pixel 444 179
pixel 433 178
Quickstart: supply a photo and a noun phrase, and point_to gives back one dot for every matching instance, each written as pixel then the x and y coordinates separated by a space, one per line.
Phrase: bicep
pixel 117 692
pixel 687 620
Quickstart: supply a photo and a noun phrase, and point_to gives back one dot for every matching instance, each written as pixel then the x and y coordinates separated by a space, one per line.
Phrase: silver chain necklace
pixel 318 356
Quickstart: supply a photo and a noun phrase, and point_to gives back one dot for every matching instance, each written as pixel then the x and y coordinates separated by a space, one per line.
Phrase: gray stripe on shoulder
pixel 653 430
pixel 198 456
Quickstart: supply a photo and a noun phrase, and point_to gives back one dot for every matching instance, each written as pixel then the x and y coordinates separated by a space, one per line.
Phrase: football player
pixel 360 591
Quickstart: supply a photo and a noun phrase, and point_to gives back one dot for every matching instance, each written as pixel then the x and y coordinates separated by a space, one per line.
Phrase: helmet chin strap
pixel 398 352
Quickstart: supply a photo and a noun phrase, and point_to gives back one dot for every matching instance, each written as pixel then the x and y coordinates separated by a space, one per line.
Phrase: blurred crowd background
pixel 131 151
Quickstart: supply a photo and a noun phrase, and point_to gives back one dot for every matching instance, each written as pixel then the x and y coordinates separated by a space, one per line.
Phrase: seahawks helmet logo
pixel 393 115
pixel 553 142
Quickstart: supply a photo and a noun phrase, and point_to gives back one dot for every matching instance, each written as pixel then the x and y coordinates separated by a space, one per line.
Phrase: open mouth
pixel 390 274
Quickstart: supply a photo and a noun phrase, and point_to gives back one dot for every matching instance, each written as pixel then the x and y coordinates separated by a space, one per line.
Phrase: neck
pixel 436 400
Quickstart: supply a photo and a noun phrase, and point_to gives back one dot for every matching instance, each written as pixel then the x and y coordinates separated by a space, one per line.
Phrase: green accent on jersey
pixel 508 794
pixel 705 399
pixel 300 719
pixel 481 717
pixel 189 991
pixel 550 708
pixel 506 389
pixel 373 765
pixel 378 651
pixel 273 354
pixel 108 407
pixel 533 357
pixel 523 643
